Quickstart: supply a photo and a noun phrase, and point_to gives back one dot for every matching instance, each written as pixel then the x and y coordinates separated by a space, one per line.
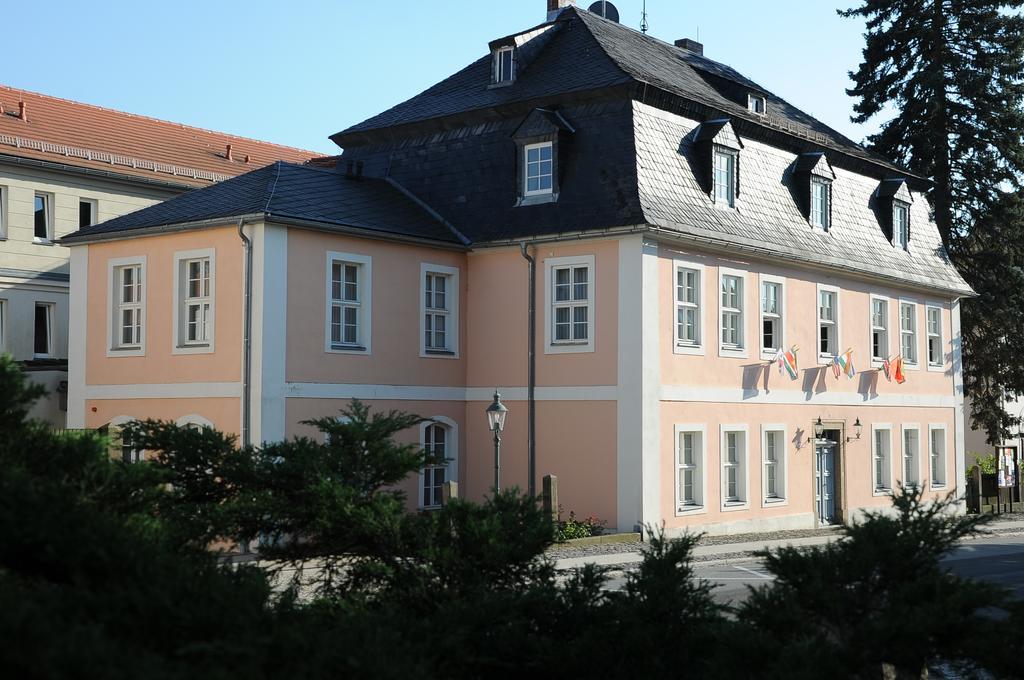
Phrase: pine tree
pixel 953 71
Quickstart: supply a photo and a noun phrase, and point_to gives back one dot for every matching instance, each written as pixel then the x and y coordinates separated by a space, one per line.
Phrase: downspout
pixel 246 338
pixel 531 438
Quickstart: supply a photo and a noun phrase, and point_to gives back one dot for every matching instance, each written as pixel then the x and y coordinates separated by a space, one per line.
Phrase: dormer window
pixel 504 65
pixel 539 164
pixel 901 225
pixel 725 177
pixel 757 103
pixel 821 198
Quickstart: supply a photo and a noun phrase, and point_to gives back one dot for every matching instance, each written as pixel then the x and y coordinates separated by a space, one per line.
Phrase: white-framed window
pixel 734 466
pixel 773 309
pixel 438 436
pixel 349 303
pixel 933 336
pixel 127 304
pixel 689 311
pixel 504 65
pixel 757 103
pixel 828 323
pixel 121 442
pixel 194 308
pixel 43 340
pixel 911 455
pixel 774 464
pixel 908 333
pixel 570 292
pixel 439 311
pixel 691 460
pixel 901 225
pixel 42 217
pixel 3 212
pixel 724 171
pixel 879 329
pixel 194 421
pixel 881 459
pixel 538 169
pixel 821 209
pixel 731 317
pixel 937 455
pixel 87 212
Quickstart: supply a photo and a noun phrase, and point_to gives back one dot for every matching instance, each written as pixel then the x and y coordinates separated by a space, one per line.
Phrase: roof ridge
pixel 157 120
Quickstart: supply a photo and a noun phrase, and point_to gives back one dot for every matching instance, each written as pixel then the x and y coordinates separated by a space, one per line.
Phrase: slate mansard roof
pixel 626 164
pixel 286 192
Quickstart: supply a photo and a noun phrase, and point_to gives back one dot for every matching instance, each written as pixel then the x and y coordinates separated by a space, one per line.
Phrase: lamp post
pixel 496 413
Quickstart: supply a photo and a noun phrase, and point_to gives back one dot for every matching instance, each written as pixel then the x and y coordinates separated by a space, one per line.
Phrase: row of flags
pixel 892 368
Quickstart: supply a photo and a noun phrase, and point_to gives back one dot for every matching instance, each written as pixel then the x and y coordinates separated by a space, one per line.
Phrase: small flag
pixel 787 362
pixel 887 368
pixel 844 362
pixel 897 371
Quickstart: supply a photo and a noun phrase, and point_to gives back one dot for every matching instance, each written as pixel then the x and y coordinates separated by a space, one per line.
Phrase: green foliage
pixel 987 463
pixel 578 528
pixel 952 69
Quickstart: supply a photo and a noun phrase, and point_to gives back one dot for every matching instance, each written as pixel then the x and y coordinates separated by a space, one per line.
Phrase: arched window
pixel 121 444
pixel 439 439
pixel 194 421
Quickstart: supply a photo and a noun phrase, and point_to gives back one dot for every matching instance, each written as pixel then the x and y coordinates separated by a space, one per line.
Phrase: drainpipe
pixel 246 338
pixel 531 439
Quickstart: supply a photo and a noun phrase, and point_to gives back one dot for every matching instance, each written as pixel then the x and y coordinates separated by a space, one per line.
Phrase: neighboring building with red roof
pixel 65 165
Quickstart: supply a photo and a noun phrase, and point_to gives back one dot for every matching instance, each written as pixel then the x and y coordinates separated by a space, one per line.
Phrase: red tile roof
pixel 87 136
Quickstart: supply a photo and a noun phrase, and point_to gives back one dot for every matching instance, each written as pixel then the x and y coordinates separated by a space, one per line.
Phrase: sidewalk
pixel 723 553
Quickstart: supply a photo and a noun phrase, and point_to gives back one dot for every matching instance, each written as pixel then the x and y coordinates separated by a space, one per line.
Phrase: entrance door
pixel 825 481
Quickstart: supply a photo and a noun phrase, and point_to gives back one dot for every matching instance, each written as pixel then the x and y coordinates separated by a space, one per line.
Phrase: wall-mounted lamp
pixel 819 429
pixel 857 428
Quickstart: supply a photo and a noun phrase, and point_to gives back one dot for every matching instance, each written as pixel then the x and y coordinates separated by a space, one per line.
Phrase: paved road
pixel 995 559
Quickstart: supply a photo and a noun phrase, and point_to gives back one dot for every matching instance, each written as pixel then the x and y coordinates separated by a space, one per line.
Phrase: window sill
pixel 881 492
pixel 350 349
pixel 116 352
pixel 733 353
pixel 536 199
pixel 438 354
pixel 769 502
pixel 504 83
pixel 936 369
pixel 688 349
pixel 769 354
pixel 686 510
pixel 568 347
pixel 731 506
pixel 41 241
pixel 937 487
pixel 911 367
pixel 198 348
pixel 824 360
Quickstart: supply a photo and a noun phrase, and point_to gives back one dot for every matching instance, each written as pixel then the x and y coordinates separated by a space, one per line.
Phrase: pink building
pixel 686 226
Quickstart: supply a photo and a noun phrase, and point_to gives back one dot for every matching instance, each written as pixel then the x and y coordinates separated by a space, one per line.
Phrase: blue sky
pixel 296 72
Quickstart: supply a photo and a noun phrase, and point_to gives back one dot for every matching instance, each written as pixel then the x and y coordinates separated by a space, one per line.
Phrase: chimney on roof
pixel 690 46
pixel 227 154
pixel 23 110
pixel 555 7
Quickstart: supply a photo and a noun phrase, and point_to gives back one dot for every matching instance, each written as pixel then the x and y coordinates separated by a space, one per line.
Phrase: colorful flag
pixel 845 362
pixel 897 371
pixel 887 368
pixel 787 362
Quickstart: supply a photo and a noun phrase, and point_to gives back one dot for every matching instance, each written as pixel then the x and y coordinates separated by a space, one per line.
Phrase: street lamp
pixel 496 413
pixel 857 428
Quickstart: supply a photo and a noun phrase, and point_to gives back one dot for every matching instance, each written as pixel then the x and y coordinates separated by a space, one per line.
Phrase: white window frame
pixel 3 213
pixel 904 429
pixel 915 334
pixel 928 335
pixel 781 466
pixel 51 330
pixel 752 107
pixel 700 506
pixel 886 489
pixel 743 465
pixel 741 351
pixel 114 346
pixel 680 347
pixel 876 362
pixel 568 346
pixel 365 304
pixel 500 77
pixel 194 419
pixel 729 201
pixel 94 209
pixel 49 201
pixel 451 312
pixel 769 353
pixel 901 232
pixel 178 330
pixel 526 170
pixel 932 483
pixel 825 358
pixel 452 468
pixel 822 220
